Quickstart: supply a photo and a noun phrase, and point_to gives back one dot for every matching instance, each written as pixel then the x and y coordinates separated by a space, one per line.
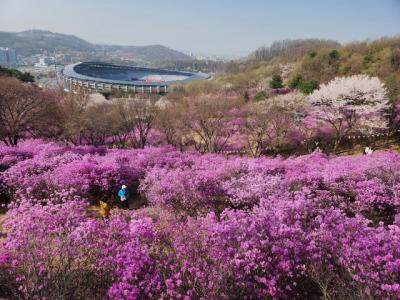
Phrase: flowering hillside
pixel 214 228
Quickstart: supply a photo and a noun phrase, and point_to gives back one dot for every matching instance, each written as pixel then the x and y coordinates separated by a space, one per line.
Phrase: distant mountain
pixel 36 41
pixel 32 42
pixel 147 53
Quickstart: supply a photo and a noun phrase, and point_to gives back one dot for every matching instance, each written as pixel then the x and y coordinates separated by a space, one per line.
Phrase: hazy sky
pixel 233 27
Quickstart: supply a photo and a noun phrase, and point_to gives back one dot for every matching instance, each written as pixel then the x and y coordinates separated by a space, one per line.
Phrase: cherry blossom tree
pixel 348 104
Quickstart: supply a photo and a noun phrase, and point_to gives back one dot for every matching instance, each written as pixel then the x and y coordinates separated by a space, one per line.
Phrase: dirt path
pixel 2 218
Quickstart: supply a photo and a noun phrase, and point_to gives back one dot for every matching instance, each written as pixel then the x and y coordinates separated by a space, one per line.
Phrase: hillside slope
pixel 148 53
pixel 33 42
pixel 312 60
pixel 36 41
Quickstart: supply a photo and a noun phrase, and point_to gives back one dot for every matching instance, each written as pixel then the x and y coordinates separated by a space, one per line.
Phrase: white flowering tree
pixel 348 104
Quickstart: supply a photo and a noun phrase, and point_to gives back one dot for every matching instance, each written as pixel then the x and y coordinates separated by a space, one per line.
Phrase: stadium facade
pixel 101 77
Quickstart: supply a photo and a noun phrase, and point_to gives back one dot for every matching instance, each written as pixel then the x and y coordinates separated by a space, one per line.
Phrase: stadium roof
pixel 78 71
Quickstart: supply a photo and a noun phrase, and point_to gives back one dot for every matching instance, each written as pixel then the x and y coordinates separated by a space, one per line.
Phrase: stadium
pixel 100 77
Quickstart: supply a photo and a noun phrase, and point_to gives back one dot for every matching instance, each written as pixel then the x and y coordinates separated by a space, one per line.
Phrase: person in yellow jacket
pixel 104 209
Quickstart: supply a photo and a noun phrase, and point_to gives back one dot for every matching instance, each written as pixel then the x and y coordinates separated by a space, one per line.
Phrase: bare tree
pixel 292 49
pixel 169 123
pixel 118 122
pixel 269 123
pixel 74 107
pixel 25 110
pixel 256 125
pixel 135 120
pixel 210 121
pixel 98 124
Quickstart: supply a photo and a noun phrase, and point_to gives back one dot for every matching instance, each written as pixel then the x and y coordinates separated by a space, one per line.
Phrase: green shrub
pixel 246 97
pixel 260 96
pixel 106 94
pixel 276 82
pixel 295 81
pixel 312 54
pixel 368 58
pixel 307 87
pixel 334 54
pixel 23 76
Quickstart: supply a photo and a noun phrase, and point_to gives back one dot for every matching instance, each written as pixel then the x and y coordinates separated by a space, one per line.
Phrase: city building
pixel 8 57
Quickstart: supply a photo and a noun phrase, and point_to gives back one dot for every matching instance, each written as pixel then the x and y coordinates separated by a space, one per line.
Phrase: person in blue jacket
pixel 123 195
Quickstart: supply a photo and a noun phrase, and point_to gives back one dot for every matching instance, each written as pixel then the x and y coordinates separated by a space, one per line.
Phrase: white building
pixel 8 57
pixel 42 63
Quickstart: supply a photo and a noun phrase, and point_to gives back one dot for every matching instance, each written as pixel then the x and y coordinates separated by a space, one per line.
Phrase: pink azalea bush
pixel 313 226
pixel 58 249
pixel 279 249
pixel 368 185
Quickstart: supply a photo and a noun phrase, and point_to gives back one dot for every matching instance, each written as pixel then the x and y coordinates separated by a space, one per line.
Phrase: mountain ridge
pixel 37 41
